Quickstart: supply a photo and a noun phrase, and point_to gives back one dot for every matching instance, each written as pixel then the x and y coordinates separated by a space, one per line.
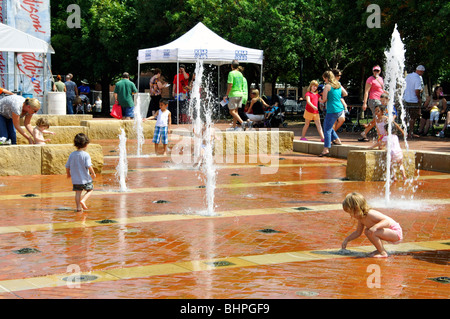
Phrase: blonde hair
pixel 42 122
pixel 34 103
pixel 355 204
pixel 331 79
pixel 312 83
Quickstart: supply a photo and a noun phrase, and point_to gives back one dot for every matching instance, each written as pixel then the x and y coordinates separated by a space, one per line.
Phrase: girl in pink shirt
pixel 312 110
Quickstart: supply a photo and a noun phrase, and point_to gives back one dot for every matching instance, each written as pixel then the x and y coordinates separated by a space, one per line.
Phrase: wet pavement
pixel 272 235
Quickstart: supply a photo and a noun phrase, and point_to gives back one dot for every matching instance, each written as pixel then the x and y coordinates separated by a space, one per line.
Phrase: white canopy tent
pixel 13 40
pixel 200 43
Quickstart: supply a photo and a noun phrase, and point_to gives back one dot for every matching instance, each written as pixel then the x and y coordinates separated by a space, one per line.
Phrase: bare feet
pixel 83 205
pixel 376 254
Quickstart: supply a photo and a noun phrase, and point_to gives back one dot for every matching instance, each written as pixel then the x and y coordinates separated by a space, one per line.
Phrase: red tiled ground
pixel 403 275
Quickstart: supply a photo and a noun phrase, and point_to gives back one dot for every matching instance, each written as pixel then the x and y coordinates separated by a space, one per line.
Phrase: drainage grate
pixel 277 183
pixel 63 208
pixel 82 278
pixel 201 186
pixel 30 195
pixel 442 280
pixel 159 240
pixel 447 243
pixel 325 192
pixel 106 221
pixel 25 251
pixel 160 201
pixel 235 174
pixel 268 231
pixel 220 263
pixel 302 208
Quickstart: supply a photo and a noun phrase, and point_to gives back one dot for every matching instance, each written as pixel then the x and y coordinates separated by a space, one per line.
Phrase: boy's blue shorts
pixel 161 133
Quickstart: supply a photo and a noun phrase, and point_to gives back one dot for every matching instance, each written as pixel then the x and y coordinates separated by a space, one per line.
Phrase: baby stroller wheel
pixel 285 124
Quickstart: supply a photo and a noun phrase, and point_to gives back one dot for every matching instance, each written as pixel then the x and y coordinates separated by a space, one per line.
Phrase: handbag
pixel 116 111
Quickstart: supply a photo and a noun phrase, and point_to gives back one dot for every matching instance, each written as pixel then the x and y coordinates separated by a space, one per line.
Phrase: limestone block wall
pixel 43 159
pixel 253 142
pixel 433 161
pixel 370 165
pixel 110 129
pixel 61 120
pixel 63 134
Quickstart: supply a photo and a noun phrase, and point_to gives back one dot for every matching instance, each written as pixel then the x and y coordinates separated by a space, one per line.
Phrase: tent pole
pixel 16 80
pixel 139 76
pixel 178 92
pixel 261 79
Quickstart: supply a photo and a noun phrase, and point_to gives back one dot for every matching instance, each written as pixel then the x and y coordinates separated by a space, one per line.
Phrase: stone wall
pixel 61 120
pixel 110 129
pixel 370 165
pixel 43 159
pixel 253 142
pixel 63 134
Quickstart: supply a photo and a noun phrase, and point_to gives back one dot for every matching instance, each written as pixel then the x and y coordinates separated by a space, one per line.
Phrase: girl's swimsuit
pixel 398 230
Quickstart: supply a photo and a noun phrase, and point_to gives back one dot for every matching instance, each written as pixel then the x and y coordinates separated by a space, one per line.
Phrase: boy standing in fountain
pixel 163 126
pixel 79 168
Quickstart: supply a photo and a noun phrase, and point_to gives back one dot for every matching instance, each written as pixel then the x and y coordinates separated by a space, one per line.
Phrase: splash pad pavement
pixel 274 234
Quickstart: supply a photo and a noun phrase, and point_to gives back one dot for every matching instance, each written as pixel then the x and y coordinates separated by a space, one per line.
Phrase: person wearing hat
pixel 373 90
pixel 413 97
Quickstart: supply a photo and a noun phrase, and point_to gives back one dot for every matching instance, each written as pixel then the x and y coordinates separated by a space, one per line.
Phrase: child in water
pixel 396 150
pixel 378 227
pixel 41 128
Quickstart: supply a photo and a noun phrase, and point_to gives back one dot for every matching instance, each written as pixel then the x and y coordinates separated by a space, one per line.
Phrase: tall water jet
pixel 122 166
pixel 201 111
pixel 138 126
pixel 395 86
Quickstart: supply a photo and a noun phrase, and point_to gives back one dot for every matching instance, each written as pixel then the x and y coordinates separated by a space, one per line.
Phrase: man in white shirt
pixel 412 97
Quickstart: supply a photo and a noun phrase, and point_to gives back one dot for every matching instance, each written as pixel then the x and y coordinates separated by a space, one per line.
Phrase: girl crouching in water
pixel 377 226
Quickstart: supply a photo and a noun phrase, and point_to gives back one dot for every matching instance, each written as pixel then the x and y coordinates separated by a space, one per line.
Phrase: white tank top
pixel 163 118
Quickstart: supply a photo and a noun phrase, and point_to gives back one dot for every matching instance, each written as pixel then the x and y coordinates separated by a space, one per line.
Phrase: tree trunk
pixel 105 81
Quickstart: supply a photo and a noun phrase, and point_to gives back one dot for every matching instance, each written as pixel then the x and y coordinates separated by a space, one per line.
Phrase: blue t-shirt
pixel 79 163
pixel 70 88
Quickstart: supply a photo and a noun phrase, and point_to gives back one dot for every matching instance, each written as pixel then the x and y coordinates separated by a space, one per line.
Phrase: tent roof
pixel 14 40
pixel 200 43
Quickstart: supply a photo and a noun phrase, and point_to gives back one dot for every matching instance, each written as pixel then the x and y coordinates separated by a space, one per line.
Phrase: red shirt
pixel 314 98
pixel 184 83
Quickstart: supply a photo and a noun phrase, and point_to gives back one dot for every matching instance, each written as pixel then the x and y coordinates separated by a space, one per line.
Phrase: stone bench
pixel 43 159
pixel 253 142
pixel 433 161
pixel 110 129
pixel 60 120
pixel 63 134
pixel 370 165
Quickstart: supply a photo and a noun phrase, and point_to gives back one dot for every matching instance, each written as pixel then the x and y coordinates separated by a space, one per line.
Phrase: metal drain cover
pixel 30 195
pixel 160 201
pixel 325 192
pixel 25 251
pixel 160 240
pixel 302 208
pixel 106 221
pixel 268 231
pixel 442 280
pixel 220 263
pixel 82 278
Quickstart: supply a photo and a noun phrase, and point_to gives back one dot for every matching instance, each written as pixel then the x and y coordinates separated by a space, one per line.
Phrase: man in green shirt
pixel 123 93
pixel 235 93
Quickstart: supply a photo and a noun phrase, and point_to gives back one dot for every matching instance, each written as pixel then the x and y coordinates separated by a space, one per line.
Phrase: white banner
pixel 32 17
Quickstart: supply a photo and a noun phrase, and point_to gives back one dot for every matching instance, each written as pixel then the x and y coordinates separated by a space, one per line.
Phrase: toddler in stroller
pixel 274 117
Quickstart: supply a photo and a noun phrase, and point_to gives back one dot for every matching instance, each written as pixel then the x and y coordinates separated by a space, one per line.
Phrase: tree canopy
pixel 300 38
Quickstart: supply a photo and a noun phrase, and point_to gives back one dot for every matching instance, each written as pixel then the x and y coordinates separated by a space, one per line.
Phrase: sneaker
pixel 440 134
pixel 303 139
pixel 363 134
pixel 243 125
pixel 250 125
pixel 322 140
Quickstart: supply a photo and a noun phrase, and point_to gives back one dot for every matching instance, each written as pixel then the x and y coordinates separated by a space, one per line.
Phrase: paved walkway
pixel 271 235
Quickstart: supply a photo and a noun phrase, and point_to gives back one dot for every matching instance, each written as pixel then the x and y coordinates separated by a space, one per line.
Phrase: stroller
pixel 82 104
pixel 275 116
